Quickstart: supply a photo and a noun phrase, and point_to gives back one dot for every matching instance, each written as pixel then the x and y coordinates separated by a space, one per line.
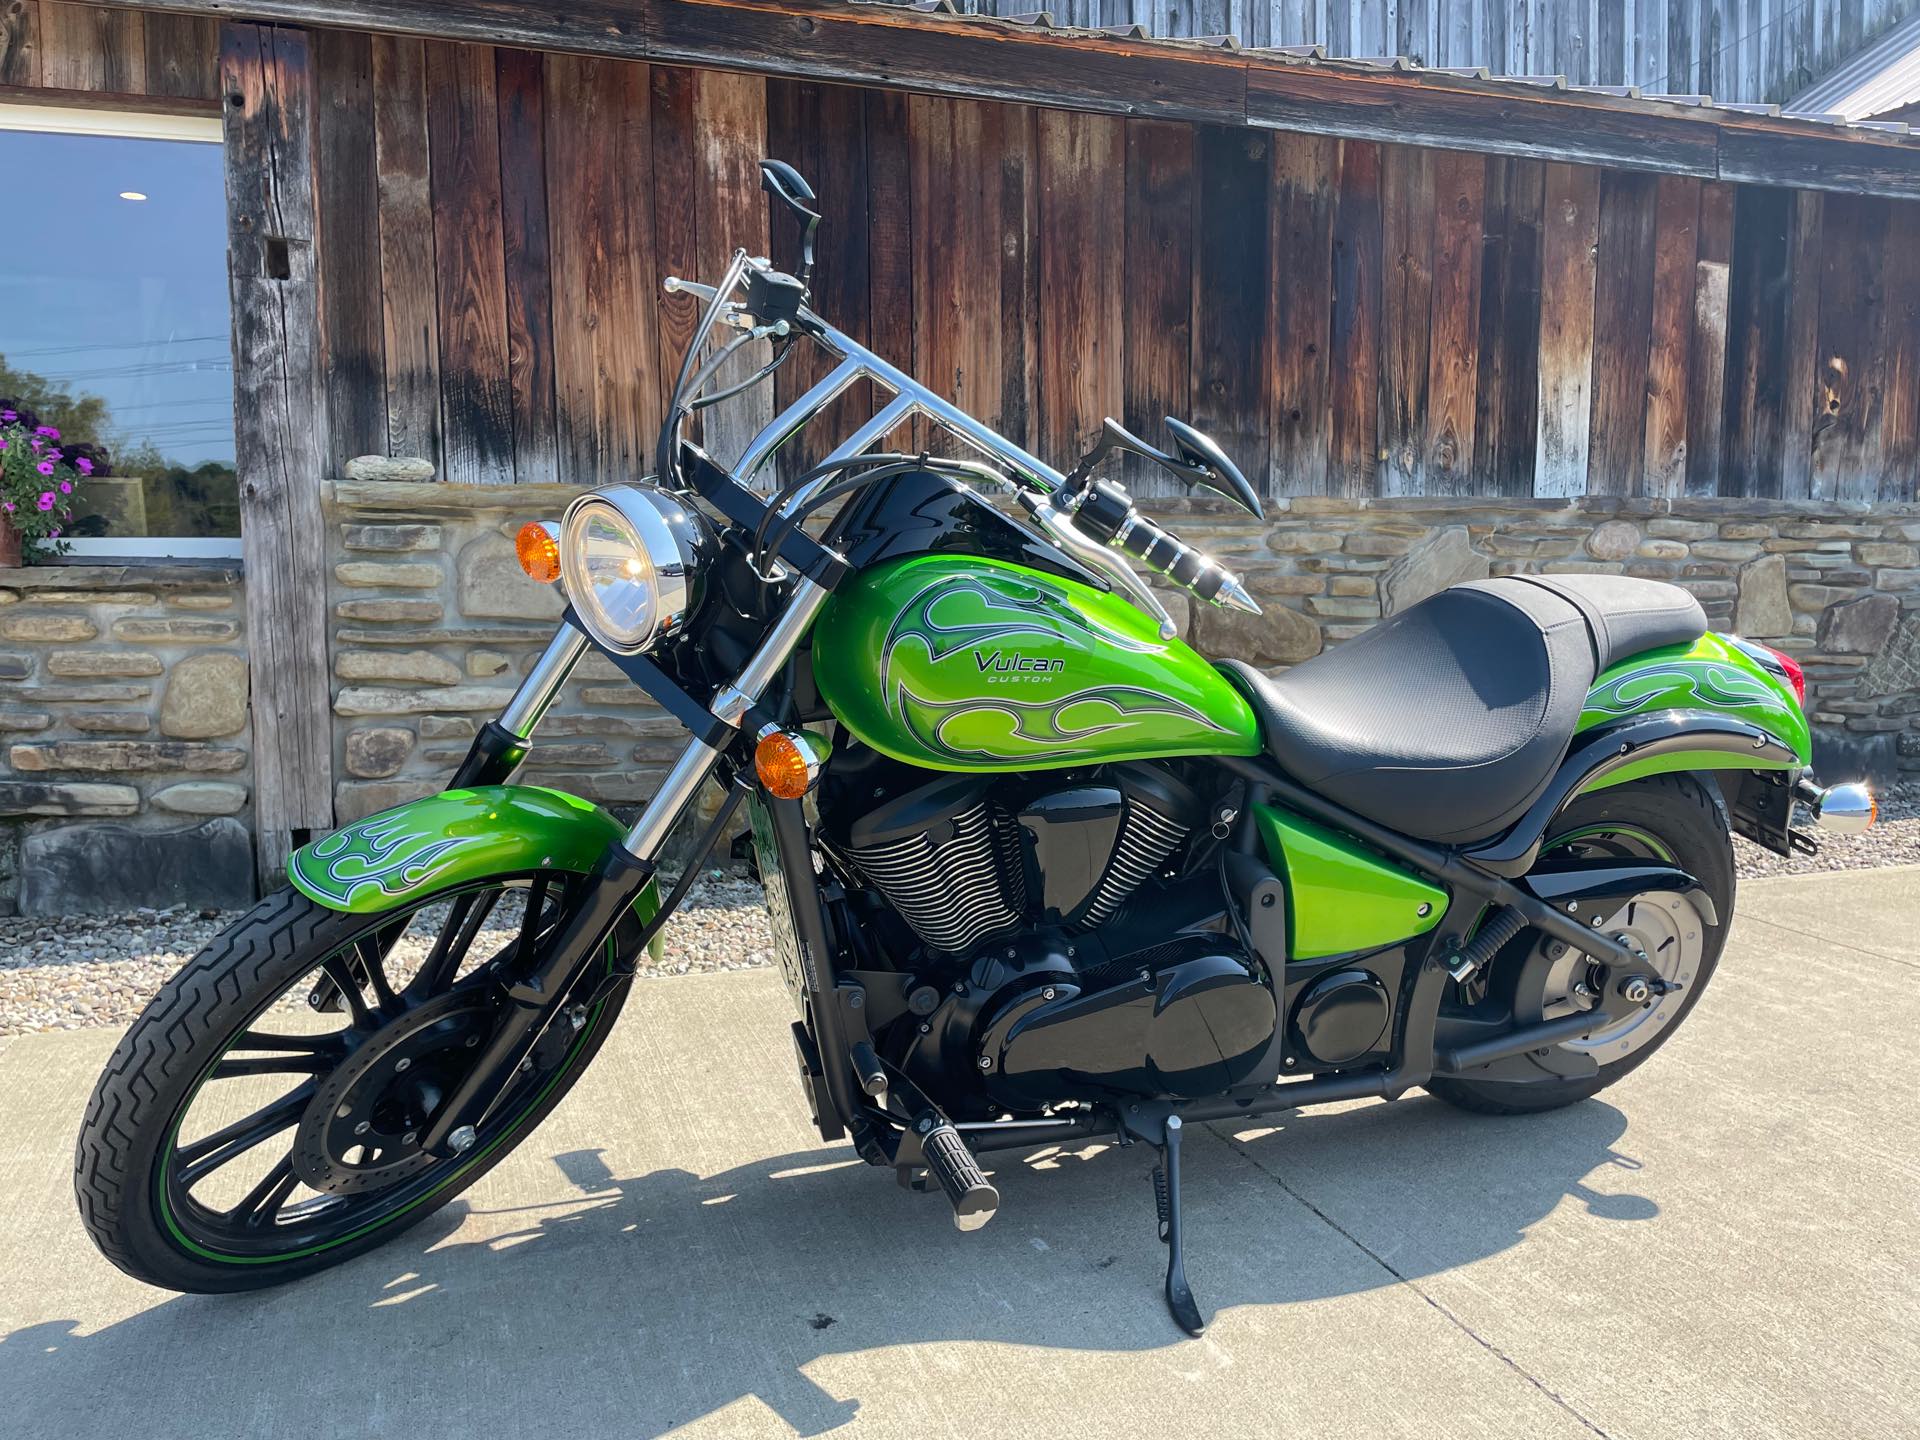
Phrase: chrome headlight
pixel 632 559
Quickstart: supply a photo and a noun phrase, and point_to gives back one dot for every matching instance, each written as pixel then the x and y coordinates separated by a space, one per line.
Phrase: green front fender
pixel 456 838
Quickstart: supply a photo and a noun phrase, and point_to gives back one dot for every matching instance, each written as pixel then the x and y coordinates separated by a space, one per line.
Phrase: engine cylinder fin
pixel 1146 839
pixel 953 891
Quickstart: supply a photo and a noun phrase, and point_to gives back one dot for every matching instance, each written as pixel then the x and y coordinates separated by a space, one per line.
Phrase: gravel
pixel 78 971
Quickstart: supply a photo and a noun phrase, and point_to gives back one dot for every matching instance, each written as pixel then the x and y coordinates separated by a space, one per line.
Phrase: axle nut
pixel 1635 990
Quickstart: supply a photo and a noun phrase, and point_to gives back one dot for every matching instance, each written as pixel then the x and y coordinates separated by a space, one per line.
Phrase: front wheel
pixel 1663 819
pixel 261 1119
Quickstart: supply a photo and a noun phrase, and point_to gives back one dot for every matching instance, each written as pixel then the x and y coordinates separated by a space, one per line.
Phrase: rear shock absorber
pixel 1496 930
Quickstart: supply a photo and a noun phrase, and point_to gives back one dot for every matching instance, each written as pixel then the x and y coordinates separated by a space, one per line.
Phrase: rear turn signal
pixel 1796 677
pixel 538 546
pixel 788 761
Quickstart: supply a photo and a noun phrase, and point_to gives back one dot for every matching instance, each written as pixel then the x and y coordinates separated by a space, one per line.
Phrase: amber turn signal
pixel 787 761
pixel 538 546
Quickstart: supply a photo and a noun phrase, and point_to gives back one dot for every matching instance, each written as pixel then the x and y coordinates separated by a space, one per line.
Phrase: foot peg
pixel 1166 1195
pixel 951 1164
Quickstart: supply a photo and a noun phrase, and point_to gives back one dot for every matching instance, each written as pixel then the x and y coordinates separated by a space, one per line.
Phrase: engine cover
pixel 1192 1018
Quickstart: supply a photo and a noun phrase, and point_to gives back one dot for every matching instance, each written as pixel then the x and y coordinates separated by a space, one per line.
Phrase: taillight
pixel 1775 661
pixel 1796 677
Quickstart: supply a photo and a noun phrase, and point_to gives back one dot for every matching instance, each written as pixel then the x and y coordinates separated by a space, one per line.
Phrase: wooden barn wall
pixel 1347 317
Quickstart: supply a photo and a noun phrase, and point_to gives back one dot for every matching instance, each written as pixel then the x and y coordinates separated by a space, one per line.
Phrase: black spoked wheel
pixel 1663 819
pixel 263 1117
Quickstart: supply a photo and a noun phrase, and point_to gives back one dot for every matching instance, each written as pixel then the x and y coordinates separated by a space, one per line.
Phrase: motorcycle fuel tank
pixel 957 662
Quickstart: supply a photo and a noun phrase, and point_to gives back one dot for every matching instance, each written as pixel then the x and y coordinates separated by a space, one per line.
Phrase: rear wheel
pixel 262 1118
pixel 1672 820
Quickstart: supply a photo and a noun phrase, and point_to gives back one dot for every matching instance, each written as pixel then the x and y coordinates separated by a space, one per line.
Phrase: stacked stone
pixel 1836 586
pixel 123 728
pixel 435 627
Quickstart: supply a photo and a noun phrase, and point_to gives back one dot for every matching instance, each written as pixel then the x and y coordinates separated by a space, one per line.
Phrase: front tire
pixel 143 1194
pixel 1676 820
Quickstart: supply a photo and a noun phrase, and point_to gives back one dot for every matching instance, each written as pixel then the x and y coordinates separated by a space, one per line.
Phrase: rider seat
pixel 1446 721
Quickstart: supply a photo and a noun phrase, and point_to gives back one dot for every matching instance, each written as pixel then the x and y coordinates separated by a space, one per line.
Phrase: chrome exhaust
pixel 1842 809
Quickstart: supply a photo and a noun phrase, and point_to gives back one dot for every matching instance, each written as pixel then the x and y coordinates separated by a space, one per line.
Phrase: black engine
pixel 1063 940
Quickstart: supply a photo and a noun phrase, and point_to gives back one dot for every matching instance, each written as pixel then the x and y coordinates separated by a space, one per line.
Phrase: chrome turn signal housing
pixel 788 762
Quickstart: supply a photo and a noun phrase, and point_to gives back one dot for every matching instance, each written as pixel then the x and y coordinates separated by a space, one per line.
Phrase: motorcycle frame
pixel 1479 880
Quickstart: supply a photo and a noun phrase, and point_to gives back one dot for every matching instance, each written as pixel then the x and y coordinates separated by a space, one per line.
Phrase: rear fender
pixel 456 838
pixel 1710 677
pixel 1647 744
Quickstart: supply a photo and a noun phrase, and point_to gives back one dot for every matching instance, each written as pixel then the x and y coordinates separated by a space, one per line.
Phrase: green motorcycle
pixel 1038 872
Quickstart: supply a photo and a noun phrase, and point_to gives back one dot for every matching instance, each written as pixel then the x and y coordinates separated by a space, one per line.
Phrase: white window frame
pixel 129 125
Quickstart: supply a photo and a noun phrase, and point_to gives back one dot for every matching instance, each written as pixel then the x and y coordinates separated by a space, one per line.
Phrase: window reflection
pixel 114 321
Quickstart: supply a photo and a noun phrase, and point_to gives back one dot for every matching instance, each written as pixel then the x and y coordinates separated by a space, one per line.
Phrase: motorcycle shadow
pixel 572 1299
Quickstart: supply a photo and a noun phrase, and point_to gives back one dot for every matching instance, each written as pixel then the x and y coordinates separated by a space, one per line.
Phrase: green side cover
pixel 456 838
pixel 954 662
pixel 1340 896
pixel 1711 676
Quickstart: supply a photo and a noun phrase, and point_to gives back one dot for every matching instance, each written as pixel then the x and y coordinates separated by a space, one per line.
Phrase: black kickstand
pixel 1166 1194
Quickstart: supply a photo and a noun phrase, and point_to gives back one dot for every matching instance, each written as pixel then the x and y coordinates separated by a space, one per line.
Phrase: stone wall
pixel 124 734
pixel 1836 586
pixel 123 691
pixel 434 625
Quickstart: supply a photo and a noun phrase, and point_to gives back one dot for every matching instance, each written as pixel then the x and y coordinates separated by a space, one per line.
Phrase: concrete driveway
pixel 1724 1244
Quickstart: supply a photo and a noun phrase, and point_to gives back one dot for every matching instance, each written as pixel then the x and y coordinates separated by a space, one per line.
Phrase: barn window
pixel 114 319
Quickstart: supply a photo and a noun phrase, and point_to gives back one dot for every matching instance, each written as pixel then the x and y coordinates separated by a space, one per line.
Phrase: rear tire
pixel 1678 814
pixel 135 1211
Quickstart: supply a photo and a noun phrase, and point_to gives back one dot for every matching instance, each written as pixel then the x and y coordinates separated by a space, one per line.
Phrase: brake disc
pixel 361 1131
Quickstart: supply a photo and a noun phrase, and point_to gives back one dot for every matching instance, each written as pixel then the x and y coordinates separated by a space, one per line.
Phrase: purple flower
pixel 48 431
pixel 39 444
pixel 9 507
pixel 46 500
pixel 3 444
pixel 84 465
pixel 45 467
pixel 9 414
pixel 55 455
pixel 53 534
pixel 66 487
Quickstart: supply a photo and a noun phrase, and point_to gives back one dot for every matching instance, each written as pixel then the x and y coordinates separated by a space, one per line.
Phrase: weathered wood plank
pixel 1707 364
pixel 676 225
pixel 892 302
pixel 1622 330
pixel 1801 359
pixel 1453 371
pixel 1020 232
pixel 89 47
pixel 1857 165
pixel 520 84
pixel 183 57
pixel 1550 125
pixel 1900 421
pixel 1406 314
pixel 606 376
pixel 1506 401
pixel 1353 458
pixel 1669 352
pixel 730 126
pixel 1082 193
pixel 821 130
pixel 410 318
pixel 476 399
pixel 280 417
pixel 1157 288
pixel 20 43
pixel 1230 286
pixel 1569 232
pixel 1305 173
pixel 1760 302
pixel 956 233
pixel 353 345
pixel 1853 348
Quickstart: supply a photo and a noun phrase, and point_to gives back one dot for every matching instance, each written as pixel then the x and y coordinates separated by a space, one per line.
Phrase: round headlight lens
pixel 629 557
